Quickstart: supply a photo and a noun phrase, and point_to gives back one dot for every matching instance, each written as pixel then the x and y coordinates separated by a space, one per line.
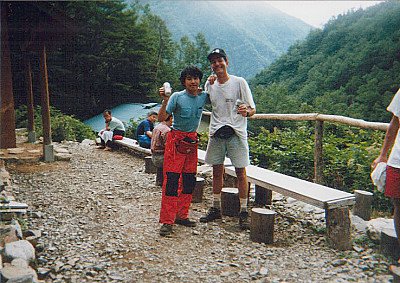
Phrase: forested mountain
pixel 253 33
pixel 351 68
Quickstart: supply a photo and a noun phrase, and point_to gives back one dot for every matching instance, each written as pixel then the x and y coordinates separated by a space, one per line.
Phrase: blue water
pixel 124 112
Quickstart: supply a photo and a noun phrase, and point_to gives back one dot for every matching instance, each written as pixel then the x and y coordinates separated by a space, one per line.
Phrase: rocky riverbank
pixel 98 218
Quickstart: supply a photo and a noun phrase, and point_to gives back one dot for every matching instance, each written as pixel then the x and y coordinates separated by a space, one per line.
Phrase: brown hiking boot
pixel 166 230
pixel 185 222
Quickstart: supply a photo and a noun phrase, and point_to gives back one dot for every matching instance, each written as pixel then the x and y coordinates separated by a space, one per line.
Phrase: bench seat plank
pixel 314 194
pixel 133 144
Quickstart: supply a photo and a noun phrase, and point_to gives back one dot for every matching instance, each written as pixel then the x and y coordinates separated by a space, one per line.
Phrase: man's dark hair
pixel 151 113
pixel 168 117
pixel 107 112
pixel 190 71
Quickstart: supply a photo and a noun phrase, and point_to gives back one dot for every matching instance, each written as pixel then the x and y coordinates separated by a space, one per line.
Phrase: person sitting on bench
pixel 144 130
pixel 114 127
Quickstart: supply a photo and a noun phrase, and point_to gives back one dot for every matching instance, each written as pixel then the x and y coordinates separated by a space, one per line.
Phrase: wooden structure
pixel 319 127
pixel 335 202
pixel 363 205
pixel 197 195
pixel 28 29
pixel 262 225
pixel 230 203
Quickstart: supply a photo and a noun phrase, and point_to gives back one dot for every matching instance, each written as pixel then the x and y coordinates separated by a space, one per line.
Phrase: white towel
pixel 378 176
pixel 106 135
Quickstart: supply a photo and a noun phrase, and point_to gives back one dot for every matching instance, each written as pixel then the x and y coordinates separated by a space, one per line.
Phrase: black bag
pixel 225 132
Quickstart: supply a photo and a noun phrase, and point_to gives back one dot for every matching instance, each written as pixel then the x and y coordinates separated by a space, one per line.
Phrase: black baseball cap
pixel 217 51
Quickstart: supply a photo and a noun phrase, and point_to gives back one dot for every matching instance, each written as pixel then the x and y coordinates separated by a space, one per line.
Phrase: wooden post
pixel 319 132
pixel 197 195
pixel 263 196
pixel 389 244
pixel 7 113
pixel 338 228
pixel 30 101
pixel 149 166
pixel 159 176
pixel 363 205
pixel 262 225
pixel 44 89
pixel 230 204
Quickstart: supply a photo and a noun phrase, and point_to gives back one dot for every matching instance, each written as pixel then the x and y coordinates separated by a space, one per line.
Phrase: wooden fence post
pixel 319 132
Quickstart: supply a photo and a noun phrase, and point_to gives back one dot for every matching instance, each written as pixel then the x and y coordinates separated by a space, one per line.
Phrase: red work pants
pixel 179 178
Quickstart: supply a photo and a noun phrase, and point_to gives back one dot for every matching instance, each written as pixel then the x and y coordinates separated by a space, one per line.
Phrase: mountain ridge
pixel 242 28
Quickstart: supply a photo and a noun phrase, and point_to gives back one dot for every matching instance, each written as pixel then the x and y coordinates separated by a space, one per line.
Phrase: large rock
pixel 19 249
pixel 18 271
pixel 375 227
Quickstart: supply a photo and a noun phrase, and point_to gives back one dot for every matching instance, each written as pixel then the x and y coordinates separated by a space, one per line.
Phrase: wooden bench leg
pixel 159 176
pixel 263 196
pixel 149 166
pixel 197 195
pixel 363 205
pixel 230 204
pixel 338 228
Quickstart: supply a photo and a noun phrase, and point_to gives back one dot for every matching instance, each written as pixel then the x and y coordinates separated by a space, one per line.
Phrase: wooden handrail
pixel 319 117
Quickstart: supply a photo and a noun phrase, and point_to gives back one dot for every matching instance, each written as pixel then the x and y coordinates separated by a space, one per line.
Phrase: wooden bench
pixel 132 145
pixel 335 202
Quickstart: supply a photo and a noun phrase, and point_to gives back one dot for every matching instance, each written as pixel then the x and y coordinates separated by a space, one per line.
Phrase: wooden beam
pixel 7 112
pixel 318 165
pixel 29 93
pixel 44 89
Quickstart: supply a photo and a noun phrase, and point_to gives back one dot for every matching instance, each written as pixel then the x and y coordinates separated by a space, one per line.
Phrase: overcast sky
pixel 317 13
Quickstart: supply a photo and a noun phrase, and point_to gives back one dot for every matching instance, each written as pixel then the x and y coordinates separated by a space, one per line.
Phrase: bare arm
pixel 390 137
pixel 162 113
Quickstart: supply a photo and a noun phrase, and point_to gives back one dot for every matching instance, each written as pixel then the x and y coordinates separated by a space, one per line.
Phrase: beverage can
pixel 167 89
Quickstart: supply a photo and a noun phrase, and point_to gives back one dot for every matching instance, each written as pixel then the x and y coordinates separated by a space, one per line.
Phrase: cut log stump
pixel 338 228
pixel 263 196
pixel 197 195
pixel 262 225
pixel 363 205
pixel 389 244
pixel 149 166
pixel 159 176
pixel 230 204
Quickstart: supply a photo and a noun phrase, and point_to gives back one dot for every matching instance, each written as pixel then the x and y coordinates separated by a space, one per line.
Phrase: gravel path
pixel 98 215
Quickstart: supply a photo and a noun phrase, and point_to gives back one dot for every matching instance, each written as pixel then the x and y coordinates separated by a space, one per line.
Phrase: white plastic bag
pixel 378 176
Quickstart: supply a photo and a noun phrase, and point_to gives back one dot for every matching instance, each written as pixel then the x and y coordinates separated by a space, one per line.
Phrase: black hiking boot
pixel 212 214
pixel 244 220
pixel 166 230
pixel 185 222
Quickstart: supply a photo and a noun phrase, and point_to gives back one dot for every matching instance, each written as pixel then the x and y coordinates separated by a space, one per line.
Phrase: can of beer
pixel 167 89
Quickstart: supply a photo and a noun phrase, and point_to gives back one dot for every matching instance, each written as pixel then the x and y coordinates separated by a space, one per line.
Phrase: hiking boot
pixel 212 214
pixel 185 222
pixel 165 230
pixel 244 220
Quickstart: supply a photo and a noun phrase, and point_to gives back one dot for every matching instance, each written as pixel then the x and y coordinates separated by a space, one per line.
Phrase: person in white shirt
pixel 232 102
pixel 114 127
pixel 392 141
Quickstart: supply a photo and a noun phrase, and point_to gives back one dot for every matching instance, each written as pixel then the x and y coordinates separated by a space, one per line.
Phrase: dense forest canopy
pixel 118 54
pixel 350 68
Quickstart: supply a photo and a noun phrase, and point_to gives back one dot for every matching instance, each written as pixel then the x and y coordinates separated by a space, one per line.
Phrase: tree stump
pixel 389 243
pixel 230 181
pixel 362 207
pixel 262 225
pixel 197 195
pixel 159 176
pixel 263 196
pixel 149 166
pixel 230 204
pixel 338 228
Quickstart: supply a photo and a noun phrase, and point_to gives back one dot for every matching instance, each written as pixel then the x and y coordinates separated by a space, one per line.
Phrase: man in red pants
pixel 180 156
